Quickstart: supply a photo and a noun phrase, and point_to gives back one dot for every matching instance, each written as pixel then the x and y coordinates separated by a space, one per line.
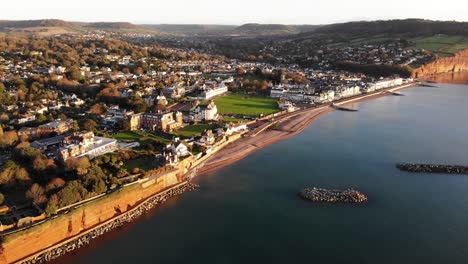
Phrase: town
pixel 82 116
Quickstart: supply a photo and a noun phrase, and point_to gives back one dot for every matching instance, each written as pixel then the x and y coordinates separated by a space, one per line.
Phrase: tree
pixel 52 205
pixel 7 139
pixel 75 74
pixel 80 165
pixel 39 164
pixel 22 176
pixel 74 126
pixel 99 186
pixel 36 194
pixel 89 125
pixel 264 85
pixel 4 117
pixel 55 183
pixel 240 71
pixel 97 109
pixel 7 175
pixel 73 192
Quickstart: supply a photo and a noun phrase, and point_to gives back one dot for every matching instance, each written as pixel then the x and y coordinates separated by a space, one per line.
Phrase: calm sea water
pixel 249 212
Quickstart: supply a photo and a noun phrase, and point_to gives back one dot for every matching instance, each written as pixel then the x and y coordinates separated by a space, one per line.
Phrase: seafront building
pixel 75 145
pixel 167 122
pixel 58 127
pixel 85 144
pixel 207 112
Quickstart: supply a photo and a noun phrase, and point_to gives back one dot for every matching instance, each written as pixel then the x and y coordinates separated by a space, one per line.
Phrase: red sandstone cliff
pixel 21 244
pixel 456 63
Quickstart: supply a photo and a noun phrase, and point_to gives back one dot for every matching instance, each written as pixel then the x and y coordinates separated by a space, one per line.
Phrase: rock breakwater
pixel 84 239
pixel 431 168
pixel 332 196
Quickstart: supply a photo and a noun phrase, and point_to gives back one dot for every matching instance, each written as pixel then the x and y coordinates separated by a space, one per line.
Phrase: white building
pixel 235 128
pixel 286 105
pixel 291 92
pixel 323 97
pixel 85 144
pixel 205 112
pixel 387 83
pixel 209 93
pixel 347 91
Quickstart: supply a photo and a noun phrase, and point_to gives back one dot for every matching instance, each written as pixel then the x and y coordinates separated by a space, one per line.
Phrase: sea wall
pixel 456 63
pixel 86 237
pixel 18 245
pixel 63 233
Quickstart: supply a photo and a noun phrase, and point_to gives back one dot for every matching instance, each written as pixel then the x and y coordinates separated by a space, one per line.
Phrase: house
pixel 39 109
pixel 30 132
pixel 235 128
pixel 208 92
pixel 174 92
pixel 286 105
pixel 205 112
pixel 25 118
pixel 76 102
pixel 179 148
pixel 175 151
pixel 207 139
pixel 167 122
pixel 85 144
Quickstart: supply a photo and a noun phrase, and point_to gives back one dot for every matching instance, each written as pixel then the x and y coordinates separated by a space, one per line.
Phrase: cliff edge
pixel 456 63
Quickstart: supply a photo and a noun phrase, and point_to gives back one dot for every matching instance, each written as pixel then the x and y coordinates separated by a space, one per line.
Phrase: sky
pixel 232 12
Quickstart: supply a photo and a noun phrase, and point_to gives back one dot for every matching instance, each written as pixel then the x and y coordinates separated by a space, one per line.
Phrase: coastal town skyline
pixel 125 141
pixel 241 12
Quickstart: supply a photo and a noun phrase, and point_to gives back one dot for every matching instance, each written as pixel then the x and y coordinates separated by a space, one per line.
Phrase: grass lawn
pixel 193 130
pixel 233 120
pixel 240 104
pixel 140 136
pixel 145 163
pixel 127 135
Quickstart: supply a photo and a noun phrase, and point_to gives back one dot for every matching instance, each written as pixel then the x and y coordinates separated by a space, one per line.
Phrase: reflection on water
pixel 248 212
pixel 452 77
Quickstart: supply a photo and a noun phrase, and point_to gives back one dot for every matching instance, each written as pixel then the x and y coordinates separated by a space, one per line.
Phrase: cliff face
pixel 21 244
pixel 457 63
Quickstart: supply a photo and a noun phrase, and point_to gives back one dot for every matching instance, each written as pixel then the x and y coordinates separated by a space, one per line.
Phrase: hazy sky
pixel 233 11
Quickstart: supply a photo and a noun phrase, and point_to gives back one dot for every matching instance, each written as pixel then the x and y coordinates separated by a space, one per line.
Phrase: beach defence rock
pixel 332 196
pixel 83 240
pixel 431 168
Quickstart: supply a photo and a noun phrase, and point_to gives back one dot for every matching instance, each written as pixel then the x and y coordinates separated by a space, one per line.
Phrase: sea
pixel 249 212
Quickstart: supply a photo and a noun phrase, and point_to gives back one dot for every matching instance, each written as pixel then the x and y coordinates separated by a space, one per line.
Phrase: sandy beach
pixel 285 129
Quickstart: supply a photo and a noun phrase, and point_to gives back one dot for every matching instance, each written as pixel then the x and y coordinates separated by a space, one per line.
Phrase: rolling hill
pixel 254 29
pixel 190 29
pixel 111 25
pixel 416 27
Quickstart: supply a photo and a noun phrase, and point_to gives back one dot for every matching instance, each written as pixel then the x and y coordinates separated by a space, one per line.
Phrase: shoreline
pixel 286 129
pixel 287 126
pixel 83 239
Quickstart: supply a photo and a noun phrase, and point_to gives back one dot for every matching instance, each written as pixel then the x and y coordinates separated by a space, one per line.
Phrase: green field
pixel 239 104
pixel 359 41
pixel 192 131
pixel 442 44
pixel 140 136
pixel 233 120
pixel 127 135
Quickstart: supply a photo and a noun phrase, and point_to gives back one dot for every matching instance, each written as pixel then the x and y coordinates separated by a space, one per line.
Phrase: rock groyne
pixel 333 196
pixel 431 168
pixel 84 239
